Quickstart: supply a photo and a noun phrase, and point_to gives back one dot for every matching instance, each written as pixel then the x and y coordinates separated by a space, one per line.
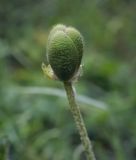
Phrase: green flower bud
pixel 64 51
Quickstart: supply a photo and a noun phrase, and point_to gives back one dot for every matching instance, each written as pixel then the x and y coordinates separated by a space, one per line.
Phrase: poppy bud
pixel 64 51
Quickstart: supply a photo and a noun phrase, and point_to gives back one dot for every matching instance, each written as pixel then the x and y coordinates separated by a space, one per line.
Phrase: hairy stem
pixel 79 121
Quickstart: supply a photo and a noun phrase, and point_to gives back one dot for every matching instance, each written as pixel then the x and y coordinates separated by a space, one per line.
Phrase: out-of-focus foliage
pixel 40 126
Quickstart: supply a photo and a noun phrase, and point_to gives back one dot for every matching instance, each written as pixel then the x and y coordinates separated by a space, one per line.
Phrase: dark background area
pixel 35 121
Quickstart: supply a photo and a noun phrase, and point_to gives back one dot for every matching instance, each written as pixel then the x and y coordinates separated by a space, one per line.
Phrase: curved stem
pixel 79 121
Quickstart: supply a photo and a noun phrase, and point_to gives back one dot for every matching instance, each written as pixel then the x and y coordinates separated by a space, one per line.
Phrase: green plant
pixel 64 55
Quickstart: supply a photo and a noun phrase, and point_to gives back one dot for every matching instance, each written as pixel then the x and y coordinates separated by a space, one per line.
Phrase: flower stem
pixel 79 121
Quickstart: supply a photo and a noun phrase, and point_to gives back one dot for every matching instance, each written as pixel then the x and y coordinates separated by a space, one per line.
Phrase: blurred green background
pixel 35 121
